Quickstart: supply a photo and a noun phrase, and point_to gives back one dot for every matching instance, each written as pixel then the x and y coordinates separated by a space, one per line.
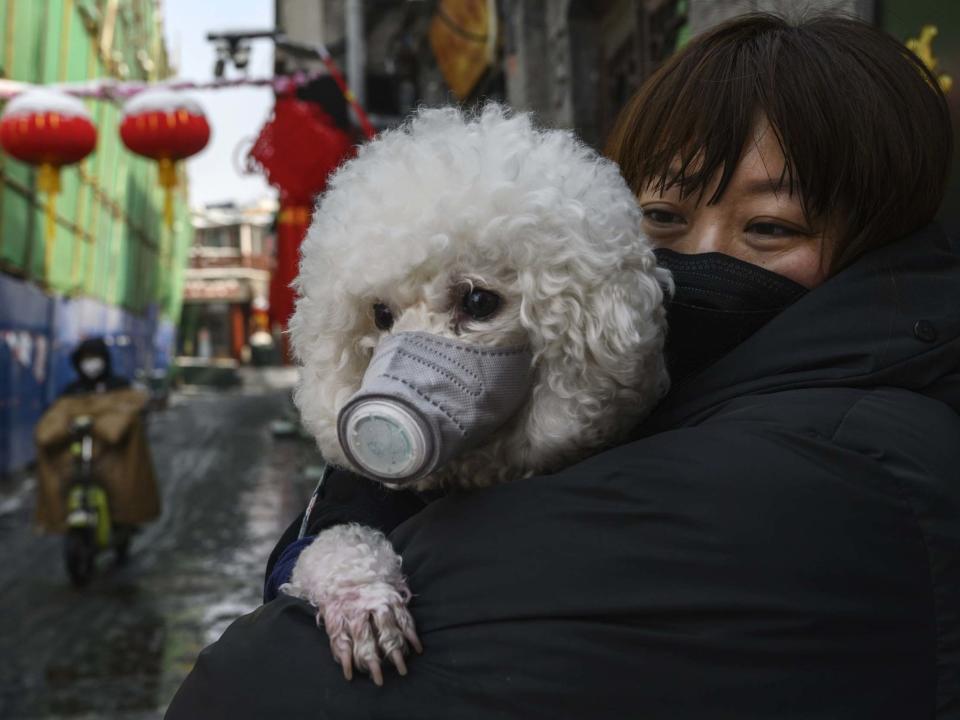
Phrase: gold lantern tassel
pixel 48 182
pixel 168 181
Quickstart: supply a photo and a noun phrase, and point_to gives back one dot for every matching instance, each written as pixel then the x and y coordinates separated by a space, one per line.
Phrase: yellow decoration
pixel 295 215
pixel 922 47
pixel 463 37
pixel 48 182
pixel 168 181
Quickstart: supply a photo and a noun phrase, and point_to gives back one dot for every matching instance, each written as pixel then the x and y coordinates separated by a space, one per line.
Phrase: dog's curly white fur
pixel 449 202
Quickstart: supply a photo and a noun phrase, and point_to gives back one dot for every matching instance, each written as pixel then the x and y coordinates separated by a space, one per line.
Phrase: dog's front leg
pixel 352 575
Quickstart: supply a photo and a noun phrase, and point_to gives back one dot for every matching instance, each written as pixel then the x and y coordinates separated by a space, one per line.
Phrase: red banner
pixel 292 225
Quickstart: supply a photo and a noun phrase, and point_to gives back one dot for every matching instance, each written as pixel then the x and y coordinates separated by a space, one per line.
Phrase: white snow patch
pixel 15 501
pixel 42 100
pixel 11 505
pixel 161 100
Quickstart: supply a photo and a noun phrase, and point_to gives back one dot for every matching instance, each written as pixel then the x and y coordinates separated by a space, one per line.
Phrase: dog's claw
pixel 375 672
pixel 397 657
pixel 415 641
pixel 346 662
pixel 410 633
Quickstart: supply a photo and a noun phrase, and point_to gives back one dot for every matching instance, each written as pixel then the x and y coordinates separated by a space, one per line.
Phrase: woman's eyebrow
pixel 766 186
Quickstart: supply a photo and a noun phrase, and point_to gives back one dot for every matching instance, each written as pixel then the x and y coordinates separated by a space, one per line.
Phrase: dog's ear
pixel 623 327
pixel 597 334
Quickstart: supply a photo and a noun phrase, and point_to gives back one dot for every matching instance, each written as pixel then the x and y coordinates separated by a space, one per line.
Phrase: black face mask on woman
pixel 718 303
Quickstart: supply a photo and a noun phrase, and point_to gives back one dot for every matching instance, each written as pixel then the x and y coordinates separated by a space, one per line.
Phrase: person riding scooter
pixel 95 476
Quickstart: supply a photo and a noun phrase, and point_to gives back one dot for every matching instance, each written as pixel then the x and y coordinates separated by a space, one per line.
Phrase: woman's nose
pixel 700 238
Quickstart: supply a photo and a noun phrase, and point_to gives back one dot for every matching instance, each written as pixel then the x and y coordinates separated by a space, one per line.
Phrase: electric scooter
pixel 89 527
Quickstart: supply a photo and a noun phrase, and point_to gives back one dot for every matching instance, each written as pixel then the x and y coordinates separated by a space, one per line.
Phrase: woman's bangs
pixel 708 110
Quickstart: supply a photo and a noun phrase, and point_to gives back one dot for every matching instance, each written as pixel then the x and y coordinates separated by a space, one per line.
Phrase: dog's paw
pixel 351 574
pixel 367 625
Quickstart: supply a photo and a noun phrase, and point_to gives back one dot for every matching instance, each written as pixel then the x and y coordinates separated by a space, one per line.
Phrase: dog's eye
pixel 480 304
pixel 382 317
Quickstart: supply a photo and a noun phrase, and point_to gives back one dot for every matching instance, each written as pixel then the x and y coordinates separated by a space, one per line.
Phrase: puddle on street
pixel 120 648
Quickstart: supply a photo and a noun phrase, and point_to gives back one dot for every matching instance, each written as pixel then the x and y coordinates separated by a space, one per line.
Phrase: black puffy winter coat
pixel 782 540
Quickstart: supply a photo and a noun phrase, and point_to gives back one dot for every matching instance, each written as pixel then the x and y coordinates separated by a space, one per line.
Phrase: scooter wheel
pixel 123 534
pixel 79 552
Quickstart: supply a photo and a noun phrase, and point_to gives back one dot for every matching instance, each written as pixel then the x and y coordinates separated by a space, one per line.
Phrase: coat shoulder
pixel 883 423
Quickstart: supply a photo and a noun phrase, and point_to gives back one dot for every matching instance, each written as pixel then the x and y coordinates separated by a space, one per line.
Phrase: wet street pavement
pixel 119 648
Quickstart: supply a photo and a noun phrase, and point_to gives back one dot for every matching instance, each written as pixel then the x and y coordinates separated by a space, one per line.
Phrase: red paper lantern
pixel 166 126
pixel 49 129
pixel 298 149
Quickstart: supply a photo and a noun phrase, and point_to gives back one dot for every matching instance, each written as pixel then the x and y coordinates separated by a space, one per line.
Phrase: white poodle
pixel 499 261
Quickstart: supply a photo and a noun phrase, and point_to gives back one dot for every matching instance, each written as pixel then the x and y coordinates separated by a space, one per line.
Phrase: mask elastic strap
pixel 327 470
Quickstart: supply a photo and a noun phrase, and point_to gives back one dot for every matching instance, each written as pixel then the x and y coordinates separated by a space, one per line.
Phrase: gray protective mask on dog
pixel 425 399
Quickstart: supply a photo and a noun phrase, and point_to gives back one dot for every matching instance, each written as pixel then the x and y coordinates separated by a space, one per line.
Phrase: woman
pixel 781 539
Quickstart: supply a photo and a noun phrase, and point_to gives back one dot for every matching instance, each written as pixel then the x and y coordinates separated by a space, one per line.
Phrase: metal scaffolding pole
pixel 356 52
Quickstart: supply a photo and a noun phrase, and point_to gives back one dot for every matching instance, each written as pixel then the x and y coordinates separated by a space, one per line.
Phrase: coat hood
pixel 92 347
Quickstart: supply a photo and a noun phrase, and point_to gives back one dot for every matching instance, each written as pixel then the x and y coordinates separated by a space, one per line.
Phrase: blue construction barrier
pixel 38 332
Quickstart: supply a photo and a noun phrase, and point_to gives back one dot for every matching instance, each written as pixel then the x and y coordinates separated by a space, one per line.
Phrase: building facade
pixel 114 270
pixel 227 284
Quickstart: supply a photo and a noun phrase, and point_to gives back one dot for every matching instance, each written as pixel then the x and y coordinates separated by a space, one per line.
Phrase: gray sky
pixel 235 115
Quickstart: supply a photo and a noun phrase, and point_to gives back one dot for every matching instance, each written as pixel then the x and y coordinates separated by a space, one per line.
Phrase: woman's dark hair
pixel 863 125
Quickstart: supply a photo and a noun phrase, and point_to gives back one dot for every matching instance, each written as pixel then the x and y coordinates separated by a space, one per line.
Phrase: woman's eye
pixel 662 217
pixel 771 229
pixel 382 317
pixel 480 304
